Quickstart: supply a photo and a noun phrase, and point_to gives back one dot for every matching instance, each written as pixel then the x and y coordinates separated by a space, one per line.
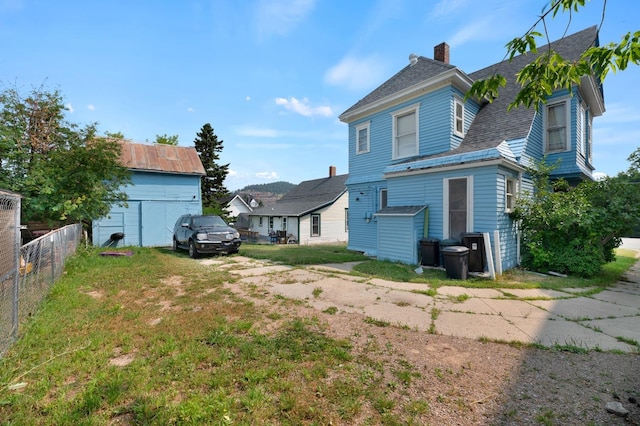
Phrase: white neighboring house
pixel 238 205
pixel 313 212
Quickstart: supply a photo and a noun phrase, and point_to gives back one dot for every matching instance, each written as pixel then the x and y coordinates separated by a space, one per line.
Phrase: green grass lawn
pixel 158 339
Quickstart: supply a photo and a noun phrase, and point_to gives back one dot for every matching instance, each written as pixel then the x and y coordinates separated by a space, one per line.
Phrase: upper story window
pixel 405 132
pixel 556 128
pixel 362 138
pixel 458 128
pixel 510 194
pixel 589 139
pixel 582 120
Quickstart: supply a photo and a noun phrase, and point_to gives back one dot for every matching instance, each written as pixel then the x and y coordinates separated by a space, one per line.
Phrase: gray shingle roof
pixel 306 197
pixel 409 76
pixel 493 124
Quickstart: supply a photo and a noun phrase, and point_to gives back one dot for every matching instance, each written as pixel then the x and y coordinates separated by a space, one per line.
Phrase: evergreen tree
pixel 212 184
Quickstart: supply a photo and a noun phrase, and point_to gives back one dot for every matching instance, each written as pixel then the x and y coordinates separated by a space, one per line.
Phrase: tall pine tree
pixel 213 190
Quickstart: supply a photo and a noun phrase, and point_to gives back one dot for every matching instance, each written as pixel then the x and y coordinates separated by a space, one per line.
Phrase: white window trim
pixel 365 125
pixel 582 118
pixel 567 111
pixel 383 190
pixel 445 205
pixel 588 154
pixel 394 115
pixel 513 195
pixel 457 101
pixel 311 226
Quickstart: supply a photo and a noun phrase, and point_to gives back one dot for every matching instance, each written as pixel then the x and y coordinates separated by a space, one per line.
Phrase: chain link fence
pixel 28 272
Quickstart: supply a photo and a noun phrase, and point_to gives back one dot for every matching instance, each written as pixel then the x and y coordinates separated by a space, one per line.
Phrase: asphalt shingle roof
pixel 493 124
pixel 306 197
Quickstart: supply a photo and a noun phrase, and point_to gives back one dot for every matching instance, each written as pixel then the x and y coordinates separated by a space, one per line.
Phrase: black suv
pixel 205 234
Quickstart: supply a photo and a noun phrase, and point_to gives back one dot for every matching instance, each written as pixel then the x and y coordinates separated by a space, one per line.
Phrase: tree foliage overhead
pixel 63 171
pixel 550 71
pixel 208 147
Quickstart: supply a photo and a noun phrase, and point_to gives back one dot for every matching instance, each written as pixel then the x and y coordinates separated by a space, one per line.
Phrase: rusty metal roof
pixel 161 158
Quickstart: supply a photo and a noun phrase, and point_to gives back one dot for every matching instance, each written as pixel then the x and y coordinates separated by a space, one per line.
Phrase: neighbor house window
pixel 346 220
pixel 405 132
pixel 510 194
pixel 383 198
pixel 458 128
pixel 260 221
pixel 315 225
pixel 556 127
pixel 270 222
pixel 362 138
pixel 458 206
pixel 284 223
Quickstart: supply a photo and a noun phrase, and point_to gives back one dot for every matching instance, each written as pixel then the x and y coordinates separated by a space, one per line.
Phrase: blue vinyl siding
pixel 363 228
pixel 398 237
pixel 156 200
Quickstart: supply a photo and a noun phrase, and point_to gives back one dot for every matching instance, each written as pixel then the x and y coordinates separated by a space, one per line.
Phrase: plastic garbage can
pixel 430 251
pixel 448 243
pixel 475 243
pixel 456 262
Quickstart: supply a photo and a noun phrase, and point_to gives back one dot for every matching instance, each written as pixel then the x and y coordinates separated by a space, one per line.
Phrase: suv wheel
pixel 175 244
pixel 193 252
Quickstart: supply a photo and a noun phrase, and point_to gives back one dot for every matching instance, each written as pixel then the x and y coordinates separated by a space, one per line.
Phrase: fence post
pixel 16 274
pixel 53 261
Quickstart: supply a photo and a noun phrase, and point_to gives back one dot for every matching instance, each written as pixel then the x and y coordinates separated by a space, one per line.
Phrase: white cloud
pixel 69 107
pixel 356 73
pixel 480 29
pixel 302 107
pixel 280 17
pixel 619 113
pixel 248 98
pixel 189 109
pixel 91 107
pixel 232 173
pixel 447 7
pixel 267 175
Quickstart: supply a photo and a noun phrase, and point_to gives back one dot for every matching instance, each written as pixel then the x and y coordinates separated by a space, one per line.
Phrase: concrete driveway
pixel 609 320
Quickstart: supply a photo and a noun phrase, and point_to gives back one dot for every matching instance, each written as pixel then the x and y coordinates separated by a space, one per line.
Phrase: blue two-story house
pixel 423 161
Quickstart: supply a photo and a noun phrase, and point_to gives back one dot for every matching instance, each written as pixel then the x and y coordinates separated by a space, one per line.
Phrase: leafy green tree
pixel 166 139
pixel 550 71
pixel 64 172
pixel 115 135
pixel 574 230
pixel 213 190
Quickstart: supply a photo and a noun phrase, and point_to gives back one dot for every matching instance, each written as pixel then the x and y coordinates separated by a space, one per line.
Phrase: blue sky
pixel 272 76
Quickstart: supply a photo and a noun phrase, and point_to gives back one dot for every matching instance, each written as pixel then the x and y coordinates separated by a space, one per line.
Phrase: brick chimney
pixel 332 171
pixel 441 53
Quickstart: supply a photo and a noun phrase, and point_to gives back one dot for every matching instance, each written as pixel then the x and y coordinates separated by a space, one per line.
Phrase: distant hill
pixel 279 188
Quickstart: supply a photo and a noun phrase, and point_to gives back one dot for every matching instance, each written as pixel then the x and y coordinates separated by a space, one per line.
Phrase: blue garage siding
pixel 156 200
pixel 363 203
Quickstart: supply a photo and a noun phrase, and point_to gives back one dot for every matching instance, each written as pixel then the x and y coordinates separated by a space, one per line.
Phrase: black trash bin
pixel 456 262
pixel 475 243
pixel 430 251
pixel 448 243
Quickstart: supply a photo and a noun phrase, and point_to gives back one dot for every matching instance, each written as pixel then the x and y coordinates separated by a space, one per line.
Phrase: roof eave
pixel 590 89
pixel 453 76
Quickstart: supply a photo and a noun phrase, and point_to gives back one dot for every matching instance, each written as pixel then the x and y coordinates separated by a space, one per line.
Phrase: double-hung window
pixel 582 116
pixel 458 123
pixel 556 128
pixel 315 225
pixel 383 198
pixel 362 138
pixel 509 194
pixel 405 132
